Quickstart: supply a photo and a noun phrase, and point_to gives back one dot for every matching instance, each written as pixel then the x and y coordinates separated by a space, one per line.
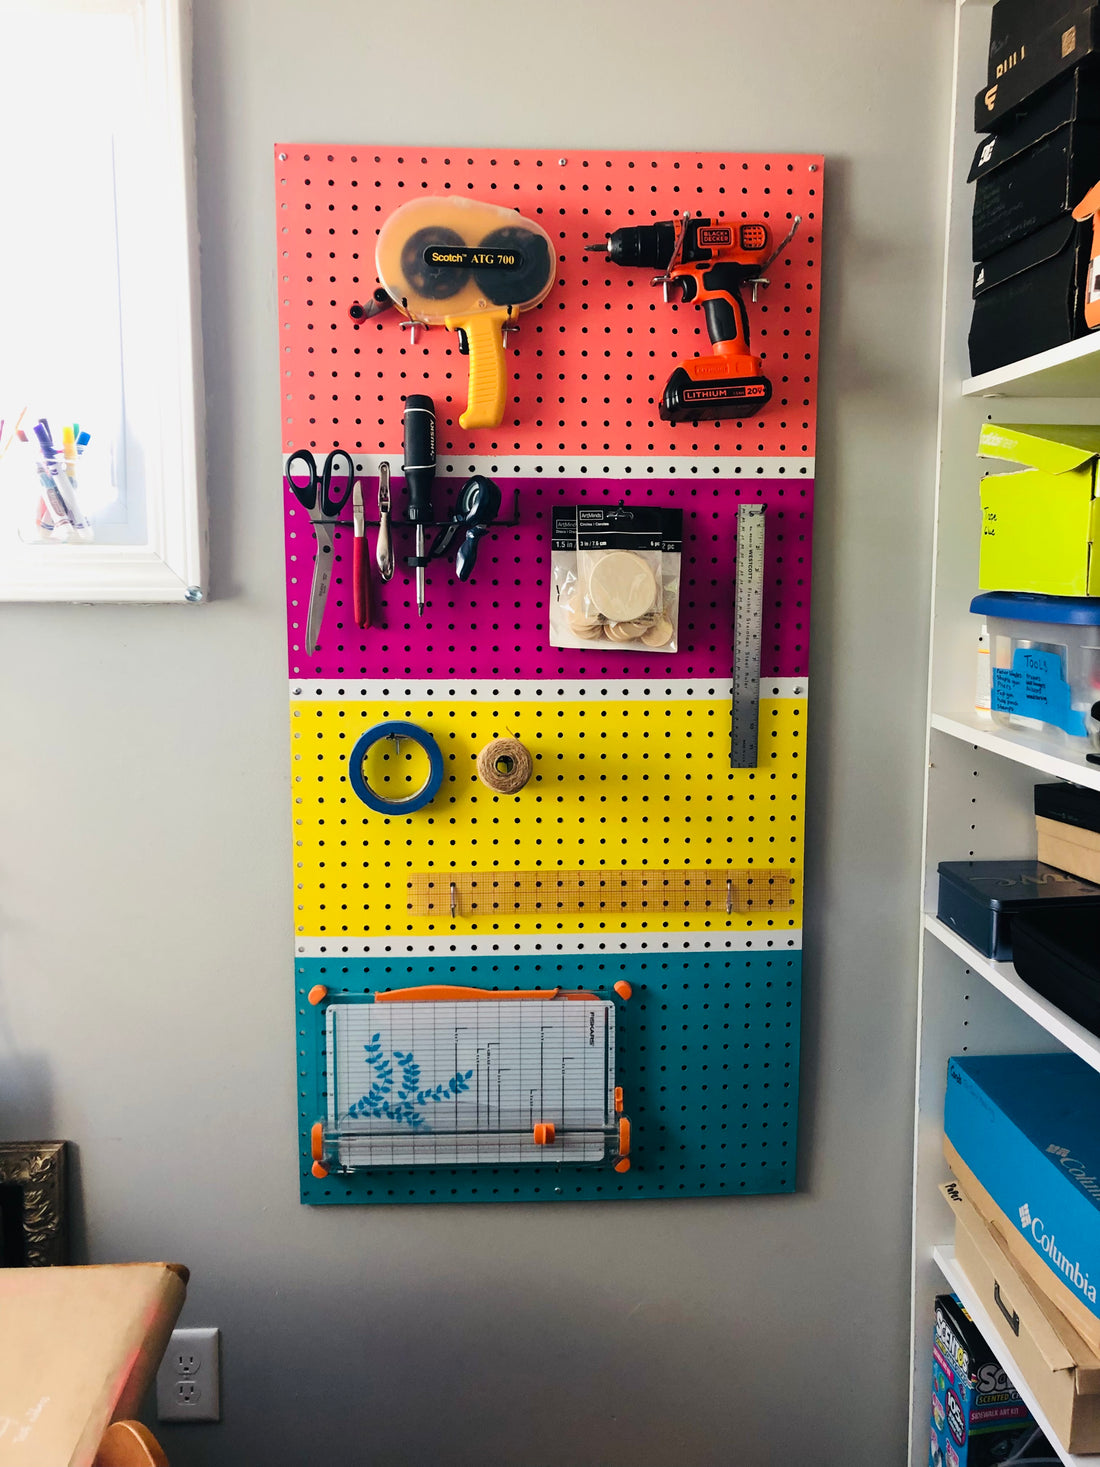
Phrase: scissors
pixel 324 504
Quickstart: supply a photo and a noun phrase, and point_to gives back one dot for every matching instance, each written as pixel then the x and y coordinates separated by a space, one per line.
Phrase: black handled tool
pixel 419 471
pixel 482 504
pixel 477 507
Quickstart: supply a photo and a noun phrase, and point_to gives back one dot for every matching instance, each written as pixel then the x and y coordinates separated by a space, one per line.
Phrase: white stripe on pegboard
pixel 546 945
pixel 691 468
pixel 535 690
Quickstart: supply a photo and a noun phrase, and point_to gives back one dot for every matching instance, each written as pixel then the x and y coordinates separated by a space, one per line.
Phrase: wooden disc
pixel 659 634
pixel 621 585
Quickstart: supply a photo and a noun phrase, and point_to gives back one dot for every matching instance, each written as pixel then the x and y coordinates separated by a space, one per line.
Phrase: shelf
pixel 1072 370
pixel 1023 748
pixel 1006 980
pixel 948 1266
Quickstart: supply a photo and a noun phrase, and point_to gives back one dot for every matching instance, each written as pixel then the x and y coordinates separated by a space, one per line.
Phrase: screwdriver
pixel 419 471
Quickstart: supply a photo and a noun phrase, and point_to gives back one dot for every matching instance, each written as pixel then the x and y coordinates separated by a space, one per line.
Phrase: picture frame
pixel 34 1230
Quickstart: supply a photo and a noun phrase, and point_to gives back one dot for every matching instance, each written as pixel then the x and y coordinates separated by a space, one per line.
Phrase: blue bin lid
pixel 1027 606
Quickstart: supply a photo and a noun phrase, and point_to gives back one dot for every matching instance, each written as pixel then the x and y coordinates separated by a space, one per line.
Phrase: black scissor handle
pixel 332 501
pixel 306 494
pixel 317 494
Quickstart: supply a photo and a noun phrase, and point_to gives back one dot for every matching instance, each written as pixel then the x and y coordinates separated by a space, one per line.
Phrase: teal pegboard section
pixel 707 1056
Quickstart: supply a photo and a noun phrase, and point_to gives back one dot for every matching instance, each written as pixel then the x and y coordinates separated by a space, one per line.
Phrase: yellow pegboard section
pixel 625 784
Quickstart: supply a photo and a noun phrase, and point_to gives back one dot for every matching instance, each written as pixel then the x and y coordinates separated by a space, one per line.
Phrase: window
pixel 100 325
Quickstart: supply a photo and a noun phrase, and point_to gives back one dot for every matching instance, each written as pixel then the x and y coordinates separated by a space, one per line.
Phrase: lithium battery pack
pixel 981 899
pixel 707 387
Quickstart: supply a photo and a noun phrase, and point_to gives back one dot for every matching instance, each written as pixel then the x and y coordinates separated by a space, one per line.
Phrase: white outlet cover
pixel 189 1378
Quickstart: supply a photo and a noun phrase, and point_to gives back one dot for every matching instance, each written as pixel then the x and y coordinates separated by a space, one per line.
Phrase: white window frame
pixel 171 562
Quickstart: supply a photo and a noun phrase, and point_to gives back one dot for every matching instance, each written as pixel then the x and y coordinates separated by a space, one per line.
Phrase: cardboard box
pixel 1022 1135
pixel 978 1416
pixel 1039 526
pixel 1054 1362
pixel 1067 822
pixel 1031 296
pixel 1040 167
pixel 79 1347
pixel 1069 848
pixel 1040 54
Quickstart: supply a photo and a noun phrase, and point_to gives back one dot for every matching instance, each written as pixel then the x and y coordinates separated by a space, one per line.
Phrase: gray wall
pixel 145 988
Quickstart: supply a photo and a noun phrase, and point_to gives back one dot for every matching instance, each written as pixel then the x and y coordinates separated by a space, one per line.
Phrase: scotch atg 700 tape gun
pixel 471 267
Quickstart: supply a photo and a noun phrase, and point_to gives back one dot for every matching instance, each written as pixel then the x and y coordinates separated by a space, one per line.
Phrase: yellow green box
pixel 1040 526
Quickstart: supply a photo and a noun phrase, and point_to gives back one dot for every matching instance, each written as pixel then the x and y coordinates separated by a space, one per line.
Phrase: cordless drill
pixel 710 260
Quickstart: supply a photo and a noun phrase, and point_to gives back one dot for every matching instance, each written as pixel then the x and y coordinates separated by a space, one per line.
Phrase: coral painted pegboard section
pixel 587 367
pixel 494 626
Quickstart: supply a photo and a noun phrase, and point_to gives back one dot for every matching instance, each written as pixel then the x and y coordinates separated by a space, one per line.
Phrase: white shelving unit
pixel 980 778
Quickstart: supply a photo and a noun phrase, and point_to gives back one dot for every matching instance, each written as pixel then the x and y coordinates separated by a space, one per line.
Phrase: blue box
pixel 1027 1126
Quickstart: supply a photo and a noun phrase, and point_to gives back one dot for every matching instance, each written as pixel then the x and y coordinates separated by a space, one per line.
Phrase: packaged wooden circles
pixel 616 576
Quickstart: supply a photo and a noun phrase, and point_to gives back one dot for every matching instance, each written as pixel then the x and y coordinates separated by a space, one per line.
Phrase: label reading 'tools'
pixel 1034 688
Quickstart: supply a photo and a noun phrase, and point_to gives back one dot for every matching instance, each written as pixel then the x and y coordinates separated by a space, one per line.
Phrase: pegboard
pixel 628 783
pixel 631 749
pixel 495 625
pixel 587 367
pixel 706 1053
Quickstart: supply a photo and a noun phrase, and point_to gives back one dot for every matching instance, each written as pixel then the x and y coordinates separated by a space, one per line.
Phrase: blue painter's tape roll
pixel 416 801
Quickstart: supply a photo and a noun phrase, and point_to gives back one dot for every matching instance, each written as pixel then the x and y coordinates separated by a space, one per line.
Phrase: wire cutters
pixel 324 504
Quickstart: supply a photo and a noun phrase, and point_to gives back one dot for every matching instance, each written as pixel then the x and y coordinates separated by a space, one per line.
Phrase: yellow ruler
pixel 723 892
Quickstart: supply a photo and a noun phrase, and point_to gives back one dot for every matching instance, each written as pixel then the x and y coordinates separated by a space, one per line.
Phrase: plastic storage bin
pixel 1045 663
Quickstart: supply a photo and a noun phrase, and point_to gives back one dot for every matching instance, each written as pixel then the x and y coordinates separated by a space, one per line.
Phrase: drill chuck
pixel 648 246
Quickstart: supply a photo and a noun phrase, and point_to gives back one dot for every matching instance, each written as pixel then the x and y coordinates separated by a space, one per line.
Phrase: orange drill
pixel 710 260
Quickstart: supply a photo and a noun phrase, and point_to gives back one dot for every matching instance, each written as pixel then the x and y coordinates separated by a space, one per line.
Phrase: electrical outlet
pixel 188 1385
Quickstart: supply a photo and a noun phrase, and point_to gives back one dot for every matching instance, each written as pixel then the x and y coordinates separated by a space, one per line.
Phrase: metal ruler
pixel 748 615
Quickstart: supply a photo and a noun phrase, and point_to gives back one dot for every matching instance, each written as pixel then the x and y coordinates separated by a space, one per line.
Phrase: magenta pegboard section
pixel 495 625
pixel 587 367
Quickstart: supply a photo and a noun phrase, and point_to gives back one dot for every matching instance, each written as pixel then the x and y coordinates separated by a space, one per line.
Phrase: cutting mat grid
pixel 587 367
pixel 707 1055
pixel 494 626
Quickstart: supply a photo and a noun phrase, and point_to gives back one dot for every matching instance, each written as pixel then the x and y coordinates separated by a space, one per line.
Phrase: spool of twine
pixel 505 766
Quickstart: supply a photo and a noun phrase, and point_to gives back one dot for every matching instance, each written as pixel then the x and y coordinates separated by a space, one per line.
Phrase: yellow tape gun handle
pixel 488 387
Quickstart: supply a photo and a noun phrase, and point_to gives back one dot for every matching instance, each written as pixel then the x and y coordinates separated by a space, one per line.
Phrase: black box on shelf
pixel 1040 167
pixel 1058 954
pixel 980 899
pixel 1014 24
pixel 1033 60
pixel 1031 296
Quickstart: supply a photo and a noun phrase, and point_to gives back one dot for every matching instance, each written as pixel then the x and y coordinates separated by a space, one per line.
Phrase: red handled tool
pixel 360 565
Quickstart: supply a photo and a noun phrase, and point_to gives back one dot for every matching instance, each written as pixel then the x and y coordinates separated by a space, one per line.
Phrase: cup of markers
pixel 59 517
